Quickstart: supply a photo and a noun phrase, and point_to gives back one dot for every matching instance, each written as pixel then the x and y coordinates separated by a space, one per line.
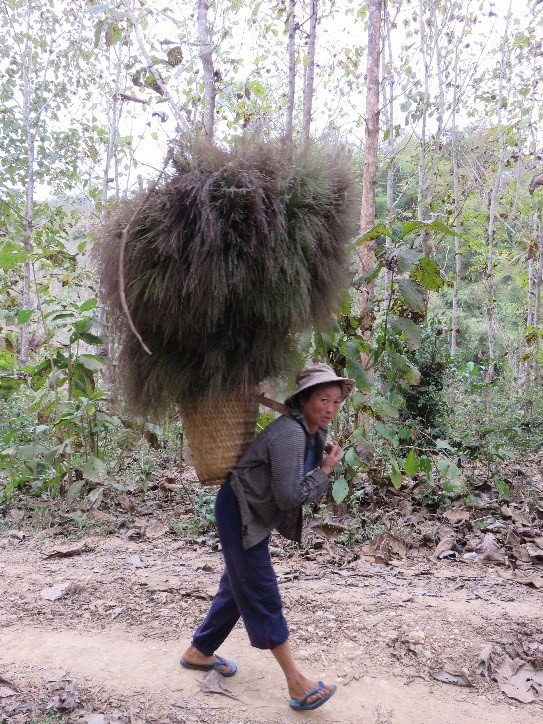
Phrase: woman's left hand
pixel 332 458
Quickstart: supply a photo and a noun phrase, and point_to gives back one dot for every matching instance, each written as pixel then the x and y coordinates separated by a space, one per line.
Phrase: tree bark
pixel 537 304
pixel 209 72
pixel 456 211
pixel 388 106
pixel 422 186
pixel 489 321
pixel 369 177
pixel 29 192
pixel 289 124
pixel 309 73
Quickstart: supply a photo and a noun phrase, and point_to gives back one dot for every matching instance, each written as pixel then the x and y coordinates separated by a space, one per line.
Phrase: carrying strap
pixel 272 404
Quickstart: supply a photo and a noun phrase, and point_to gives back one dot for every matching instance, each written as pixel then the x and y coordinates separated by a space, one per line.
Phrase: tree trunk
pixel 369 177
pixel 114 113
pixel 537 306
pixel 209 72
pixel 422 185
pixel 309 73
pixel 492 213
pixel 388 106
pixel 456 211
pixel 289 124
pixel 29 195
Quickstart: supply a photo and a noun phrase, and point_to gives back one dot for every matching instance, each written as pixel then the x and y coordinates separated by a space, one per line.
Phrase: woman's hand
pixel 333 456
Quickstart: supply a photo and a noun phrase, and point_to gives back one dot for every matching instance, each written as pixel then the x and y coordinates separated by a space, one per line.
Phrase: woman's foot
pixel 196 658
pixel 300 688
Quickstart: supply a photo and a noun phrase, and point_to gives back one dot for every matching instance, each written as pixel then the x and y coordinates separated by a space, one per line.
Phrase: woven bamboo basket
pixel 218 431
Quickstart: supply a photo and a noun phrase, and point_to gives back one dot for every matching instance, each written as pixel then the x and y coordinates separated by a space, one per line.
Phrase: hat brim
pixel 347 385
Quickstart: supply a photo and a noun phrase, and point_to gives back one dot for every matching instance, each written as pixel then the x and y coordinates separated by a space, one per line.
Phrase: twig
pixel 124 235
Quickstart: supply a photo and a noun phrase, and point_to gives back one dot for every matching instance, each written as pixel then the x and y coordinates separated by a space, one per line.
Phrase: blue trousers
pixel 248 587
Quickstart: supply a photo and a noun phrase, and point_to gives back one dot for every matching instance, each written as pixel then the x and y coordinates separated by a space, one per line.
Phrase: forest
pixel 434 110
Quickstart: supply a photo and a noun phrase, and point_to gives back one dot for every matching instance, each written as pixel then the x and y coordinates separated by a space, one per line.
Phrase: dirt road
pixel 124 609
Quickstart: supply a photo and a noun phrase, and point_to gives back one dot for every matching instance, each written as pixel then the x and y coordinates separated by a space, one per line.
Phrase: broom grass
pixel 232 256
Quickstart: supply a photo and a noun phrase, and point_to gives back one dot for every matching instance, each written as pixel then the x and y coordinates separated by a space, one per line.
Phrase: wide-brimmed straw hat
pixel 319 374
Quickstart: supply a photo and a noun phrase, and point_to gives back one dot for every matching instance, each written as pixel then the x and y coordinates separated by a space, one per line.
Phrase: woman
pixel 283 468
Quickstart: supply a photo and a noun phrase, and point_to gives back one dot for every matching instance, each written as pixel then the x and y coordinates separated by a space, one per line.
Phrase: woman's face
pixel 322 406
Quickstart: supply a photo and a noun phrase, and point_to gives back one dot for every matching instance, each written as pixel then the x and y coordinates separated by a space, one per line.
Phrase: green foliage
pixel 200 525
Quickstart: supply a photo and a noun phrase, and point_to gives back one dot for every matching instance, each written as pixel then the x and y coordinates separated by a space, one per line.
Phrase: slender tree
pixel 309 72
pixel 369 177
pixel 492 201
pixel 289 124
pixel 207 64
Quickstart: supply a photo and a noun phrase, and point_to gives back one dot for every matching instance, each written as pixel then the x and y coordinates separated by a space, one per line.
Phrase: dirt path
pixel 113 639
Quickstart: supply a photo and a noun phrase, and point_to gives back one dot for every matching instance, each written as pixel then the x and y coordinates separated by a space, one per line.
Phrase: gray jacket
pixel 269 480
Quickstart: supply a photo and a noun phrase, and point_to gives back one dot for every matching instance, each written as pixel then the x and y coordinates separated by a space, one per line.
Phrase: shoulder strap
pixel 272 404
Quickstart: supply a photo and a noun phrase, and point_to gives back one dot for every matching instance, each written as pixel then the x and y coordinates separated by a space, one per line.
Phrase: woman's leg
pixel 298 685
pixel 220 620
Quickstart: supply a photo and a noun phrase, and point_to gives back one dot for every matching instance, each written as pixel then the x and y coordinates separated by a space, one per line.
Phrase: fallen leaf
pixel 488 550
pixel 483 662
pixel 444 545
pixel 516 515
pixel 535 552
pixel 156 530
pixel 56 591
pixel 68 551
pixel 65 700
pixel 212 684
pixel 528 579
pixel 456 515
pixel 519 680
pixel 383 547
pixel 17 534
pixel 519 551
pixel 135 561
pixel 95 719
pixel 450 676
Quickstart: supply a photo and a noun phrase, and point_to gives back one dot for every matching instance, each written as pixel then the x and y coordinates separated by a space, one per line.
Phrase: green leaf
pixel 351 458
pixel 355 370
pixel 425 464
pixel 405 368
pixel 384 408
pixel 98 32
pixel 75 488
pixel 388 433
pixel 90 338
pixel 410 330
pixel 24 315
pixel 95 470
pixel 408 227
pixel 413 295
pixel 340 490
pixel 444 445
pixel 410 464
pixel 92 362
pixel 40 374
pixel 395 475
pixel 428 274
pixel 11 255
pixel 94 498
pixel 405 257
pixel 89 304
pixel 372 234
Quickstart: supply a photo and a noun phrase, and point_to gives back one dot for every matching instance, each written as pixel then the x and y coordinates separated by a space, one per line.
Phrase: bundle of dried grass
pixel 224 263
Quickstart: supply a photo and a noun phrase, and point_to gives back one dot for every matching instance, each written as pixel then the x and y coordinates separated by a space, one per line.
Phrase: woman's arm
pixel 289 486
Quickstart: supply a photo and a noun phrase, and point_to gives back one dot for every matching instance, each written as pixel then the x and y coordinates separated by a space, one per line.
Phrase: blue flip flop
pixel 303 705
pixel 209 667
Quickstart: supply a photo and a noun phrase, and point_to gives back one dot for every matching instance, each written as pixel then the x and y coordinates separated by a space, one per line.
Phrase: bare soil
pixel 107 649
